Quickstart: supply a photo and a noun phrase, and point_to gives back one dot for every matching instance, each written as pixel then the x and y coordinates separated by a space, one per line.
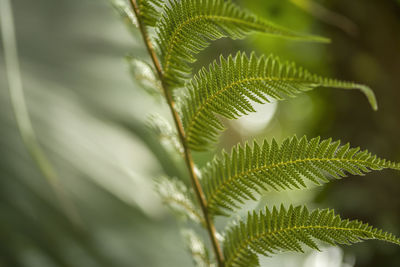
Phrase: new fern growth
pixel 174 31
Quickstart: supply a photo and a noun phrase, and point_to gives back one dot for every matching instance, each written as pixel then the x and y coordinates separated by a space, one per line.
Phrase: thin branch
pixel 187 154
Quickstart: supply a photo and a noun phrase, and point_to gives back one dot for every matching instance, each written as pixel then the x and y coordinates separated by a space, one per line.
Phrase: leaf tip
pixel 370 96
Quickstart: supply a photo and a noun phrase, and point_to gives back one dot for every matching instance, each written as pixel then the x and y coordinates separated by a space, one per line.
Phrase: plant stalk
pixel 178 123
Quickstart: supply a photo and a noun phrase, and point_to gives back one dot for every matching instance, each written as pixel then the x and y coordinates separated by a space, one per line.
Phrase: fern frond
pixel 188 26
pixel 175 194
pixel 126 13
pixel 197 248
pixel 231 179
pixel 144 74
pixel 150 11
pixel 275 231
pixel 165 133
pixel 227 89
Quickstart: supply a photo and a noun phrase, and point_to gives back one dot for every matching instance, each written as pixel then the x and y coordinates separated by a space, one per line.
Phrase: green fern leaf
pixel 275 231
pixel 228 88
pixel 188 26
pixel 150 11
pixel 231 179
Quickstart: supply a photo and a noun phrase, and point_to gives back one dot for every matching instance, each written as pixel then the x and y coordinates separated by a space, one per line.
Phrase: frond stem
pixel 187 154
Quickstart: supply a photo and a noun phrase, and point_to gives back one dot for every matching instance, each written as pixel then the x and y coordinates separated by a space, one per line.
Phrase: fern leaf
pixel 274 231
pixel 188 26
pixel 227 89
pixel 150 11
pixel 166 134
pixel 231 179
pixel 144 74
pixel 197 248
pixel 175 194
pixel 126 13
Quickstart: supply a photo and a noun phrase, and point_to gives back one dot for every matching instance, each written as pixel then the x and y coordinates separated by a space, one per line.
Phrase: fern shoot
pixel 174 32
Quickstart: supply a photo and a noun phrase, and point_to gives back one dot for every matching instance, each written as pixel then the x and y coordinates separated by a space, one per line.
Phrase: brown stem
pixel 188 156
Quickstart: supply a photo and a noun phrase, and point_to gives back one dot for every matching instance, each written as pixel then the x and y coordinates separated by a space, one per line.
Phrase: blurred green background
pixel 90 118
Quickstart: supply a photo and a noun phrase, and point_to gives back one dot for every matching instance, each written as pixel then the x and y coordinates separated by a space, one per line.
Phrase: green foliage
pixel 227 89
pixel 275 231
pixel 188 26
pixel 231 179
pixel 150 11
